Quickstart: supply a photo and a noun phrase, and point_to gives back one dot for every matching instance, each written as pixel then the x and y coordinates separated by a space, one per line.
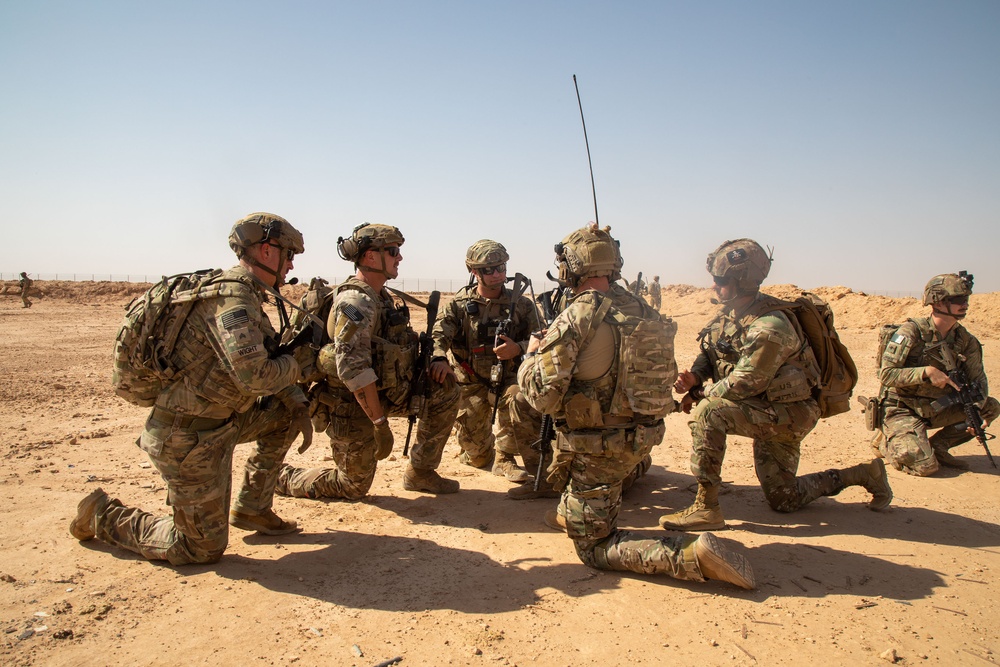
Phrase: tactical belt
pixel 186 422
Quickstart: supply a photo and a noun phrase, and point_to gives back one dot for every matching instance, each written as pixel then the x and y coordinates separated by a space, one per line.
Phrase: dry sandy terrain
pixel 475 578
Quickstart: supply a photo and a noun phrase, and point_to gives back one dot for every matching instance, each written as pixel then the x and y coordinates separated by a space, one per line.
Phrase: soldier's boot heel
pixel 873 478
pixel 723 563
pixel 945 459
pixel 504 465
pixel 83 527
pixel 428 481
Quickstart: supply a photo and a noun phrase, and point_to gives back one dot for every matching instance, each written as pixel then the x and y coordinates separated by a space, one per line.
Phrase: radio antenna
pixel 593 188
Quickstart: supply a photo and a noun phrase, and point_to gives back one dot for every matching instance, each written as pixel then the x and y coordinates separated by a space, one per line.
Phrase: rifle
pixel 421 382
pixel 968 395
pixel 547 431
pixel 503 329
pixel 637 288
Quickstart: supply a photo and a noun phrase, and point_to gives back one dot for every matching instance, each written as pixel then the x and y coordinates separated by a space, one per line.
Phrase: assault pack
pixel 838 373
pixel 153 321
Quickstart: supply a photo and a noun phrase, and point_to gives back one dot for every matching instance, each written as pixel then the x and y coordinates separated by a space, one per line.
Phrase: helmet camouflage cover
pixel 264 227
pixel 742 260
pixel 367 236
pixel 589 252
pixel 485 253
pixel 945 285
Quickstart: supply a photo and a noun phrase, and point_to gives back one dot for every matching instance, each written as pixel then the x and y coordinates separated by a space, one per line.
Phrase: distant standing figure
pixel 25 282
pixel 916 387
pixel 654 289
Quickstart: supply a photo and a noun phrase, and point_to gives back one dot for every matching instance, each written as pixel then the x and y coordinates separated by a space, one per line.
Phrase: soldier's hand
pixel 440 371
pixel 383 440
pixel 939 378
pixel 687 403
pixel 508 350
pixel 301 423
pixel 685 380
pixel 535 341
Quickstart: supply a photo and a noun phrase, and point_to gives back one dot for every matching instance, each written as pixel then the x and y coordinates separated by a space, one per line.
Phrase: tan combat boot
pixel 475 461
pixel 717 561
pixel 504 465
pixel 527 491
pixel 428 481
pixel 267 523
pixel 704 514
pixel 945 458
pixel 83 525
pixel 555 520
pixel 871 476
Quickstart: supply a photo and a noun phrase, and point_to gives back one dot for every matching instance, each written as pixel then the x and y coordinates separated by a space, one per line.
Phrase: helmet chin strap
pixel 370 269
pixel 947 313
pixel 266 269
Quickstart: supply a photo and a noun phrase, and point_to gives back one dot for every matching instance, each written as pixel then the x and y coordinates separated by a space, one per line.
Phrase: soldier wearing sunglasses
pixel 916 386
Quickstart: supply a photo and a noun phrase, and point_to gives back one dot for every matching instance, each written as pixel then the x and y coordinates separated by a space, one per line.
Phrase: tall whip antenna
pixel 593 188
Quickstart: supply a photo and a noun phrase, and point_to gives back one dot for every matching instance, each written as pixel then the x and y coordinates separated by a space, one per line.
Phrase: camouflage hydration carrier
pixel 838 374
pixel 148 336
pixel 304 335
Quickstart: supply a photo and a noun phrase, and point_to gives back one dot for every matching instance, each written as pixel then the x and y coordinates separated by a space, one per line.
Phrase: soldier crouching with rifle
pixel 604 376
pixel 369 368
pixel 481 338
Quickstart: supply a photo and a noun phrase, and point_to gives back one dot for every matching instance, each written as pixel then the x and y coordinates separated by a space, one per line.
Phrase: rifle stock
pixel 421 382
pixel 547 432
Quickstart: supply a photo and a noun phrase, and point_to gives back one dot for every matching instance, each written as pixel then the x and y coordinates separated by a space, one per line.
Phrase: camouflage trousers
pixel 352 439
pixel 517 424
pixel 907 446
pixel 197 468
pixel 590 502
pixel 655 300
pixel 777 430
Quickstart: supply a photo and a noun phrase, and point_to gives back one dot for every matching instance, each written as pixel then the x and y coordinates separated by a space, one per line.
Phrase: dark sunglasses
pixel 490 270
pixel 958 300
pixel 721 281
pixel 289 253
pixel 391 250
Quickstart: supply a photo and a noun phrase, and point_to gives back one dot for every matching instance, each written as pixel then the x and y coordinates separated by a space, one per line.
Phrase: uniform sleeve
pixel 350 325
pixel 769 341
pixel 893 371
pixel 545 377
pixel 236 327
pixel 446 328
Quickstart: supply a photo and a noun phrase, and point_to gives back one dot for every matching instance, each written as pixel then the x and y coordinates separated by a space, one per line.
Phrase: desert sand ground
pixel 475 578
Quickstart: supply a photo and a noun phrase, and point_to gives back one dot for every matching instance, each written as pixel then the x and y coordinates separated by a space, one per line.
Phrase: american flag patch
pixel 353 313
pixel 235 319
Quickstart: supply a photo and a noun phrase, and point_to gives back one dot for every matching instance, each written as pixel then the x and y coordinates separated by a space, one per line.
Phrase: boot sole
pixel 694 527
pixel 86 509
pixel 724 564
pixel 286 527
pixel 877 503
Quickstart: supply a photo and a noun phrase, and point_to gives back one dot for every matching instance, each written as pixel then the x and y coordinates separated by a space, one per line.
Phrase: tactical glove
pixel 300 422
pixel 383 440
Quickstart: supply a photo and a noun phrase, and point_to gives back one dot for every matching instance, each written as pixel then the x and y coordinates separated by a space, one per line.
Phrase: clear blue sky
pixel 860 139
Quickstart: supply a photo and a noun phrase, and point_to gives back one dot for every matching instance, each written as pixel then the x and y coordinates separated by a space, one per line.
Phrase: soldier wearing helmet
pixel 368 368
pixel 224 368
pixel 916 388
pixel 655 293
pixel 25 283
pixel 606 419
pixel 762 373
pixel 469 342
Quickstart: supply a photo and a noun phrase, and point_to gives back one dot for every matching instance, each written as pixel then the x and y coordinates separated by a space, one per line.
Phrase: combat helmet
pixel 485 253
pixel 742 260
pixel 365 237
pixel 589 252
pixel 947 285
pixel 261 228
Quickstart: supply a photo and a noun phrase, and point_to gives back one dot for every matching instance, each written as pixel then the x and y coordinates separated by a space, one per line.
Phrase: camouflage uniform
pixel 371 341
pixel 223 398
pixel 25 283
pixel 465 336
pixel 764 355
pixel 908 406
pixel 655 296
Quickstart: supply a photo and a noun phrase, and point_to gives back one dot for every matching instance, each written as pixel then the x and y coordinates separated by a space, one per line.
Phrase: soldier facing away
pixel 367 370
pixel 608 419
pixel 466 343
pixel 25 283
pixel 763 374
pixel 223 397
pixel 916 387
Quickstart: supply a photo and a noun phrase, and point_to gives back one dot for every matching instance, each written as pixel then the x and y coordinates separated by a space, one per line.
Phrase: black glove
pixel 383 440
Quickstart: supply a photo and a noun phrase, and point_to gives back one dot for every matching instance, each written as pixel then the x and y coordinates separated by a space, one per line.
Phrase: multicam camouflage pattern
pixel 655 291
pixel 946 285
pixel 221 390
pixel 485 253
pixel 371 342
pixel 908 400
pixel 464 335
pixel 591 463
pixel 742 260
pixel 764 373
pixel 25 284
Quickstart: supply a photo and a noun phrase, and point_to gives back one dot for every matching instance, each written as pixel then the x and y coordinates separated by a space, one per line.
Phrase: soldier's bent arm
pixel 544 378
pixel 447 329
pixel 237 330
pixel 350 328
pixel 893 369
pixel 769 341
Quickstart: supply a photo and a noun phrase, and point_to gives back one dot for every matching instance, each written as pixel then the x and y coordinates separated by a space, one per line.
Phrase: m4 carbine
pixel 969 394
pixel 421 388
